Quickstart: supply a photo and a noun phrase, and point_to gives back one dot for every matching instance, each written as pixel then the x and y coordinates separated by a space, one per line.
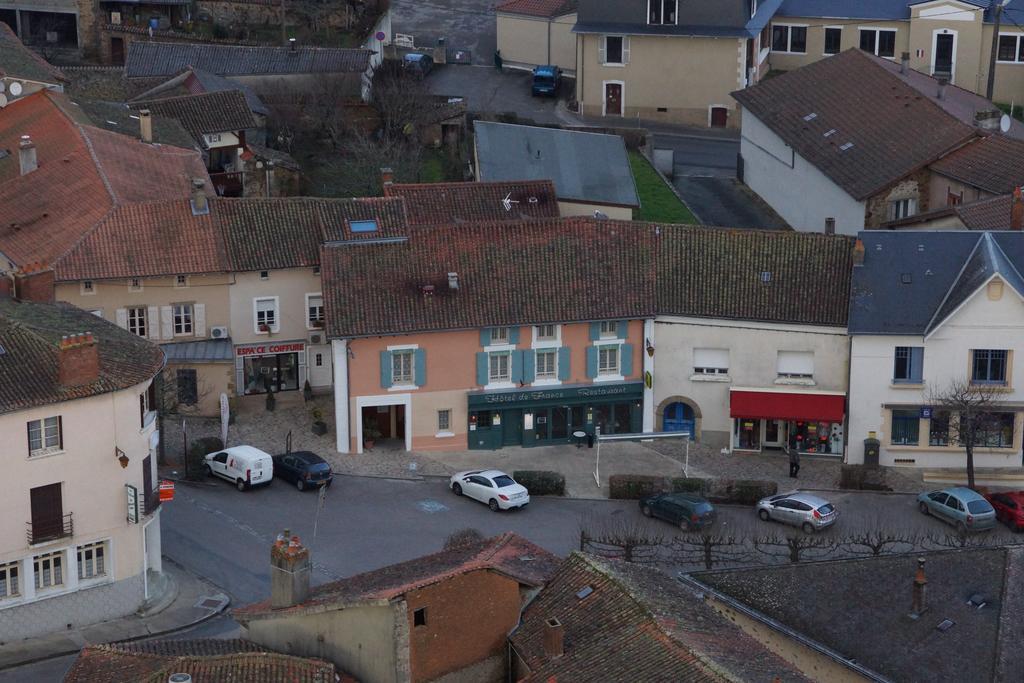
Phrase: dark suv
pixel 686 510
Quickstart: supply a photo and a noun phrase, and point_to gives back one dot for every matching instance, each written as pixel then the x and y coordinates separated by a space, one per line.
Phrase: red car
pixel 1009 508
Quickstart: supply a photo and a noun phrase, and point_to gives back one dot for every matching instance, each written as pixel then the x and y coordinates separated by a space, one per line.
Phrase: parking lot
pixel 463 24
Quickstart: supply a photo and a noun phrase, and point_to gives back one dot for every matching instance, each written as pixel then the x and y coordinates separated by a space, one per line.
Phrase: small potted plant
pixel 264 327
pixel 319 426
pixel 370 433
pixel 307 392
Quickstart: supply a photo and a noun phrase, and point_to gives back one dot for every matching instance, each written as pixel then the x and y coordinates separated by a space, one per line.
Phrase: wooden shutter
pixel 481 368
pixel 516 369
pixel 626 360
pixel 595 331
pixel 166 322
pixel 147 476
pixel 153 322
pixel 564 367
pixel 591 362
pixel 916 363
pixel 513 335
pixel 47 507
pixel 122 318
pixel 625 49
pixel 199 321
pixel 623 329
pixel 529 366
pixel 419 367
pixel 602 50
pixel 485 336
pixel 60 431
pixel 385 369
pixel 142 411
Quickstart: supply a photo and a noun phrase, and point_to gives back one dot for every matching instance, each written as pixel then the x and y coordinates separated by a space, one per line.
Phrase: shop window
pixel 907 364
pixel 44 436
pixel 499 335
pixel 92 561
pixel 833 40
pixel 938 429
pixel 49 570
pixel 10 583
pixel 547 365
pixel 906 428
pixel 747 434
pixel 989 366
pixel 402 367
pixel 795 364
pixel 182 317
pixel 499 367
pixel 607 360
pixel 787 38
pixel 661 12
pixel 187 382
pixel 137 320
pixel 314 310
pixel 881 42
pixel 266 314
pixel 711 361
pixel 444 420
pixel 546 333
pixel 997 430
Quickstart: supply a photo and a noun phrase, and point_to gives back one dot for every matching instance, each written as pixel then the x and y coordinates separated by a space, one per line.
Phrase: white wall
pixel 981 323
pixel 797 190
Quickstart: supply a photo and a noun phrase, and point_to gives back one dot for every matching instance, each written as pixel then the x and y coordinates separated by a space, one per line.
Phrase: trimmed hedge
pixel 541 482
pixel 735 491
pixel 689 485
pixel 635 486
pixel 742 491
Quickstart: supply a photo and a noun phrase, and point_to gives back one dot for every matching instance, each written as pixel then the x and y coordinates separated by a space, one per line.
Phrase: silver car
pixel 799 509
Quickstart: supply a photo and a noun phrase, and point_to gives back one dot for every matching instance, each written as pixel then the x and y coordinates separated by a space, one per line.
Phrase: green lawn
pixel 658 203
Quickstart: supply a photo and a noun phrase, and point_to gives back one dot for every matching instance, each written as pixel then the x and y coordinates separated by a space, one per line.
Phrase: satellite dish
pixel 15 88
pixel 3 100
pixel 1004 123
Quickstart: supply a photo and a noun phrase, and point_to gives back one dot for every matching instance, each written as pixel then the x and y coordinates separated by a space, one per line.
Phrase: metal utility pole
pixel 997 10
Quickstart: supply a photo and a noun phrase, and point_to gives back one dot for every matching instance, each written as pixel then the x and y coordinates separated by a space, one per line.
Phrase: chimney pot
pixel 145 126
pixel 290 568
pixel 941 93
pixel 291 44
pixel 1017 209
pixel 830 226
pixel 27 157
pixel 387 176
pixel 200 202
pixel 904 62
pixel 858 252
pixel 453 280
pixel 78 360
pixel 554 638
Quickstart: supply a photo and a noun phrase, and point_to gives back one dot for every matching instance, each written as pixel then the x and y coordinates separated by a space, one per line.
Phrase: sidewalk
pixel 184 600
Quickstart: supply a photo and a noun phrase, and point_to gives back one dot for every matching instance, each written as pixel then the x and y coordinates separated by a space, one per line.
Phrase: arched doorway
pixel 679 417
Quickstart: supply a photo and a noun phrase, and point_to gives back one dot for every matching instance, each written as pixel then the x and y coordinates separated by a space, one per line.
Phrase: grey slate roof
pixel 943 268
pixel 147 59
pixel 18 61
pixel 211 82
pixel 860 608
pixel 894 10
pixel 701 18
pixel 205 351
pixel 585 167
pixel 120 118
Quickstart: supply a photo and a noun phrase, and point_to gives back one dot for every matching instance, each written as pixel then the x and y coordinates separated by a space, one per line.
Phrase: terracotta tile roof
pixel 213 112
pixel 637 624
pixel 508 554
pixel 118 117
pixel 440 203
pixel 601 270
pixel 84 172
pixel 30 334
pixel 538 8
pixel 18 61
pixel 204 660
pixel 893 129
pixel 988 214
pixel 994 163
pixel 147 59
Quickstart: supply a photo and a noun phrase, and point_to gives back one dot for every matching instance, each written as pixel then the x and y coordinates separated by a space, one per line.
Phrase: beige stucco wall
pixel 685 76
pixel 212 379
pixel 359 640
pixel 290 286
pixel 530 41
pixel 1009 83
pixel 816 38
pixel 970 50
pixel 581 209
pixel 93 483
pixel 940 186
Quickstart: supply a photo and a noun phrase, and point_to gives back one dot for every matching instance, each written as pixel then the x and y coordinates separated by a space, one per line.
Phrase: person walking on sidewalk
pixel 794 463
pixel 498 61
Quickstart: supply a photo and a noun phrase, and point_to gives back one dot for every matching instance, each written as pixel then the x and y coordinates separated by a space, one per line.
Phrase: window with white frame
pixel 878 41
pixel 88 287
pixel 10 580
pixel 266 314
pixel 711 361
pixel 402 367
pixel 787 38
pixel 444 420
pixel 902 208
pixel 546 366
pixel 1011 48
pixel 499 335
pixel 181 281
pixel 135 284
pixel 661 12
pixel 795 364
pixel 44 436
pixel 137 320
pixel 315 310
pixel 609 329
pixel 499 367
pixel 833 40
pixel 607 360
pixel 182 315
pixel 614 50
pixel 49 570
pixel 546 333
pixel 92 561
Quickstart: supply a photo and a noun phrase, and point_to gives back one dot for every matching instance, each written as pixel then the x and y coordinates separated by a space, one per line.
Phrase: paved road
pixel 487 90
pixel 464 24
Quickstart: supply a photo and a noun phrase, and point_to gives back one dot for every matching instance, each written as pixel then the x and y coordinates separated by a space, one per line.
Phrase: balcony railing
pixel 40 531
pixel 151 502
pixel 228 183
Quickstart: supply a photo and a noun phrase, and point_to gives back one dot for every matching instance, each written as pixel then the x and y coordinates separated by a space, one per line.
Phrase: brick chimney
pixel 145 125
pixel 292 45
pixel 34 282
pixel 79 360
pixel 554 638
pixel 290 568
pixel 200 202
pixel 904 62
pixel 1017 209
pixel 27 155
pixel 988 119
pixel 387 176
pixel 919 604
pixel 858 252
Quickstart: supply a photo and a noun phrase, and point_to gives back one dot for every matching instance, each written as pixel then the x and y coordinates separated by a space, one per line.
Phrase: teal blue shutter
pixel 517 365
pixel 563 363
pixel 485 337
pixel 623 329
pixel 916 362
pixel 385 369
pixel 513 335
pixel 591 362
pixel 529 366
pixel 626 360
pixel 481 368
pixel 595 331
pixel 419 367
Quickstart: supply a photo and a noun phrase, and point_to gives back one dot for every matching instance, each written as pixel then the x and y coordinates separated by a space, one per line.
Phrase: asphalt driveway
pixel 463 24
pixel 487 90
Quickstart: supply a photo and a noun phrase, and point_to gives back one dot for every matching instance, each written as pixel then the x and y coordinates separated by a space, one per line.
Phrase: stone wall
pixel 80 608
pixel 914 186
pixel 236 12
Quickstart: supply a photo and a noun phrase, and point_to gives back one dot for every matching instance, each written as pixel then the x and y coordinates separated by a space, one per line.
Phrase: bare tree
pixel 620 538
pixel 709 548
pixel 971 415
pixel 355 171
pixel 401 99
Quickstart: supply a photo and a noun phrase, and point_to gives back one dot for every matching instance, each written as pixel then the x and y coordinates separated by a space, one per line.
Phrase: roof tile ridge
pixel 932 321
pixel 993 243
pixel 96 162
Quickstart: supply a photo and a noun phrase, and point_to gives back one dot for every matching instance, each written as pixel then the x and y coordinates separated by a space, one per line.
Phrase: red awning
pixel 776 405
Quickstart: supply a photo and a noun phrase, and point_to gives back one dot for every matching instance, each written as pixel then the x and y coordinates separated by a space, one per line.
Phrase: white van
pixel 244 466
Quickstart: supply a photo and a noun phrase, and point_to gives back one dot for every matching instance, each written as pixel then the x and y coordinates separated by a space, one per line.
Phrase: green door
pixel 512 427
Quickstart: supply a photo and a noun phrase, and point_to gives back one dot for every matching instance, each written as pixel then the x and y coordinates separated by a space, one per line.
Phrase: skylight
pixel 811 116
pixel 845 146
pixel 363 226
pixel 830 132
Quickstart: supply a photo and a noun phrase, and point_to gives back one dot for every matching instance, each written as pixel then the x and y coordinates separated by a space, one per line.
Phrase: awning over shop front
pixel 768 404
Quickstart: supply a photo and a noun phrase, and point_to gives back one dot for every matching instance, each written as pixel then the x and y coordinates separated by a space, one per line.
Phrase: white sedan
pixel 493 487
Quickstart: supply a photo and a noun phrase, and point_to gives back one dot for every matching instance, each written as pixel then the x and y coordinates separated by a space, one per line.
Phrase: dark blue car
pixel 304 469
pixel 546 80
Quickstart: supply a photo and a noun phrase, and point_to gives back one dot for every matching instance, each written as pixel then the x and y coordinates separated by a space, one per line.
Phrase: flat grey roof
pixel 585 167
pixel 205 351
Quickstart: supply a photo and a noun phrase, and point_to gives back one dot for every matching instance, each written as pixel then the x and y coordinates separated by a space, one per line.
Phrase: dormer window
pixel 662 12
